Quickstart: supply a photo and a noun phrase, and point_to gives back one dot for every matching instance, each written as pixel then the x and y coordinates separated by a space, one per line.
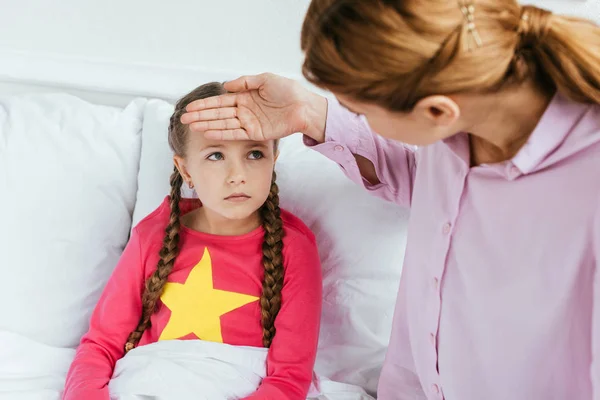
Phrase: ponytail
pixel 393 53
pixel 565 52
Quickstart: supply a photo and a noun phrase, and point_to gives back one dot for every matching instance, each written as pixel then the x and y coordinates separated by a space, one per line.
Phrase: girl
pixel 230 268
pixel 500 293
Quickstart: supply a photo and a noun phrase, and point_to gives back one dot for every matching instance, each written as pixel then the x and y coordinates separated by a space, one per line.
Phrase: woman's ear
pixel 180 165
pixel 438 110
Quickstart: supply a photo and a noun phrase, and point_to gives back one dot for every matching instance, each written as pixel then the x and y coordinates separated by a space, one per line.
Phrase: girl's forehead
pixel 198 142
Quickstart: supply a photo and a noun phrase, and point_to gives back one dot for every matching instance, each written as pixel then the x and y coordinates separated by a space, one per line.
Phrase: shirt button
pixel 436 284
pixel 446 228
pixel 432 338
pixel 514 172
pixel 435 389
pixel 338 148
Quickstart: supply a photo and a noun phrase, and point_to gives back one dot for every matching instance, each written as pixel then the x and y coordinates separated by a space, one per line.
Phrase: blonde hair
pixel 395 52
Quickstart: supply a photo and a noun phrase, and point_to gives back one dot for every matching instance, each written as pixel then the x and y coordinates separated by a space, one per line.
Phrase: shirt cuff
pixel 342 127
pixel 342 135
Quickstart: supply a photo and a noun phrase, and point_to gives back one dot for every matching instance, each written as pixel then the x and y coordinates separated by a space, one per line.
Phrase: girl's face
pixel 231 178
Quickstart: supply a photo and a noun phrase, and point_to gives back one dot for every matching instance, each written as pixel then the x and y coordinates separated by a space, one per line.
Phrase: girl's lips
pixel 237 197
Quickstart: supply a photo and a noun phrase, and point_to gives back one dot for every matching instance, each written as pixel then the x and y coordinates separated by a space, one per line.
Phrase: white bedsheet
pixel 199 370
pixel 30 370
pixel 177 370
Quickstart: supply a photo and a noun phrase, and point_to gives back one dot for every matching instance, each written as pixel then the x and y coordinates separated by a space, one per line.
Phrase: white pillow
pixel 156 159
pixel 361 241
pixel 68 172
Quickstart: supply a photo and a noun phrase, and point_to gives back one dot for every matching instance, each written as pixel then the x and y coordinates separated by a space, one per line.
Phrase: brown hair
pixel 395 52
pixel 270 213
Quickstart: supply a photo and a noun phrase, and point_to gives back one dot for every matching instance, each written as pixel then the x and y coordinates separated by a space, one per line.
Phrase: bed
pixel 83 157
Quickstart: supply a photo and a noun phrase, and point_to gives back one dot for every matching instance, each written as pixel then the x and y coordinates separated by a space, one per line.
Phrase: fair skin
pixel 268 106
pixel 232 180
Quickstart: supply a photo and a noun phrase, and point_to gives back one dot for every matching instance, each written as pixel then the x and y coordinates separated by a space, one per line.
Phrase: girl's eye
pixel 255 155
pixel 215 157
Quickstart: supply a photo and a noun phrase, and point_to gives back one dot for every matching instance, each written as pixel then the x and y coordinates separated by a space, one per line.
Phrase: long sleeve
pixel 595 370
pixel 115 316
pixel 292 354
pixel 347 134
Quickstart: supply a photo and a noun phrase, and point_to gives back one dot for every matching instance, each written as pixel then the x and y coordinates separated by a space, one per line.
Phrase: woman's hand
pixel 259 107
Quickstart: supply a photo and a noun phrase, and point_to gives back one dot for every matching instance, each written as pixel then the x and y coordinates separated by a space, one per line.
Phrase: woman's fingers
pixel 209 115
pixel 228 134
pixel 224 100
pixel 241 84
pixel 221 124
pixel 245 127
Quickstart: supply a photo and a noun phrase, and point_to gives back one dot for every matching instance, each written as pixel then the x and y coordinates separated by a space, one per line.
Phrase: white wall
pixel 160 47
pixel 157 48
pixel 579 8
pixel 229 35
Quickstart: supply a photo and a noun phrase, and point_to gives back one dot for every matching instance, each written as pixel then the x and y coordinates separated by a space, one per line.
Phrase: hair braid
pixel 270 300
pixel 169 251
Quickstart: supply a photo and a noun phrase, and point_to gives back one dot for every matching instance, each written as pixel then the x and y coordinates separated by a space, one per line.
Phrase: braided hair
pixel 270 213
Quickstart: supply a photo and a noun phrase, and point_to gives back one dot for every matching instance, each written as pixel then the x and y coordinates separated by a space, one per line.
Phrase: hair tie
pixel 534 25
pixel 468 10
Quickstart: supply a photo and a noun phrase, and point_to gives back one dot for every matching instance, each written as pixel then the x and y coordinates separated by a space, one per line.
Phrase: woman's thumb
pixel 247 82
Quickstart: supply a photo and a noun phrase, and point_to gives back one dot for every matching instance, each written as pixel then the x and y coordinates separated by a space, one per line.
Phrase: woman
pixel 500 295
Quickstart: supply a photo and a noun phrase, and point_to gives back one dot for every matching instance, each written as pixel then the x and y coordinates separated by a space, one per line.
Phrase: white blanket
pixel 178 370
pixel 30 370
pixel 194 369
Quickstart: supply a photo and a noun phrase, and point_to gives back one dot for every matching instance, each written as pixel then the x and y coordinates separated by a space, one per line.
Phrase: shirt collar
pixel 559 119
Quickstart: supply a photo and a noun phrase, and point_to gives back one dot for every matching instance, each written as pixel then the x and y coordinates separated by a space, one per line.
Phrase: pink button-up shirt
pixel 500 294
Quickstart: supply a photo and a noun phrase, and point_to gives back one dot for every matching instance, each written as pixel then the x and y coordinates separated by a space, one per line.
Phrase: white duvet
pixel 198 370
pixel 30 370
pixel 167 370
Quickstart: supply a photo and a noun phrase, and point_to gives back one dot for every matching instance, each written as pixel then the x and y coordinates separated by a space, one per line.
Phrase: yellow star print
pixel 196 306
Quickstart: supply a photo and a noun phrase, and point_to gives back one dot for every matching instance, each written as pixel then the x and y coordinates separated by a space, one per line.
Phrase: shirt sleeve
pixel 595 369
pixel 347 134
pixel 115 316
pixel 292 354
